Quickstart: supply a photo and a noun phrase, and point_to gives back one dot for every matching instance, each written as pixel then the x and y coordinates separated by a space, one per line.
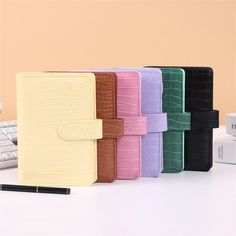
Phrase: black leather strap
pixel 204 119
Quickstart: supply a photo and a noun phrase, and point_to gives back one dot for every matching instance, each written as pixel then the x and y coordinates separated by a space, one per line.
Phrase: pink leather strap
pixel 135 125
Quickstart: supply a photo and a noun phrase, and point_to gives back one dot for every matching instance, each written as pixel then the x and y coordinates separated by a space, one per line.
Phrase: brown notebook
pixel 112 127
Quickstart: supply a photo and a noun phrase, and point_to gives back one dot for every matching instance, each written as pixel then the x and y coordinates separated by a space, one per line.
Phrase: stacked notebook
pixel 77 128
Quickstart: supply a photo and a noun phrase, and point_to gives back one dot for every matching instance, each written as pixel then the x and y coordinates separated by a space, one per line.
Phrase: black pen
pixel 33 189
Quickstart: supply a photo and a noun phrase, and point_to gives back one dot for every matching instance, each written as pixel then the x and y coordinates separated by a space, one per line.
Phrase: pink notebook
pixel 135 125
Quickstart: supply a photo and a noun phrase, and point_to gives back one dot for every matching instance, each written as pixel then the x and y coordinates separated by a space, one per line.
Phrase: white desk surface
pixel 189 203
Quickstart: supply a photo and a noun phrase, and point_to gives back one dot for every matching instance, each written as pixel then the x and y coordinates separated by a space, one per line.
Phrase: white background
pixel 189 203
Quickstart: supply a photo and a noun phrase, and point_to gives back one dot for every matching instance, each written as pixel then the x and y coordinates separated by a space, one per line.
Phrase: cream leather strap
pixel 84 129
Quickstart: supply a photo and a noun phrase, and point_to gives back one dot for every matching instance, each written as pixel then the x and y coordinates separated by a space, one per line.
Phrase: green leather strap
pixel 179 121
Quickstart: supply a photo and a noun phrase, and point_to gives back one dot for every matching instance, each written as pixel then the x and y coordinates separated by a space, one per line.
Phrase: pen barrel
pixel 34 189
pixel 18 188
pixel 53 190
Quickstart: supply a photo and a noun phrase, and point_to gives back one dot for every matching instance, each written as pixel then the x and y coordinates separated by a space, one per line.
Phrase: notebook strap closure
pixel 205 119
pixel 135 125
pixel 179 121
pixel 83 129
pixel 113 128
pixel 156 122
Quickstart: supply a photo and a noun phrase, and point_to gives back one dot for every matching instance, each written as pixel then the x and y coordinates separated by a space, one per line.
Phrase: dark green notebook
pixel 178 119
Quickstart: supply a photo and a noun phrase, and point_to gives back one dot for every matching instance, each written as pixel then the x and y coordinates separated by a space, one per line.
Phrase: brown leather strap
pixel 113 128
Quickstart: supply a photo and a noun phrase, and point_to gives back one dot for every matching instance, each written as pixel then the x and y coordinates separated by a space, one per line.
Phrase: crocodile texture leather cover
pixel 129 109
pixel 151 107
pixel 57 128
pixel 199 101
pixel 113 128
pixel 178 119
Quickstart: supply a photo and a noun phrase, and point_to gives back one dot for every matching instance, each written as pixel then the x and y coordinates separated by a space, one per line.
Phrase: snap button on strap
pixel 113 128
pixel 135 125
pixel 84 129
pixel 205 119
pixel 179 121
pixel 156 122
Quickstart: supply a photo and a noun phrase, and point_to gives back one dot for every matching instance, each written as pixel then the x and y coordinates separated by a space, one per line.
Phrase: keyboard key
pixel 15 154
pixel 11 123
pixel 2 158
pixel 5 143
pixel 3 137
pixel 14 129
pixel 3 124
pixel 8 144
pixel 9 156
pixel 11 148
pixel 12 137
pixel 7 131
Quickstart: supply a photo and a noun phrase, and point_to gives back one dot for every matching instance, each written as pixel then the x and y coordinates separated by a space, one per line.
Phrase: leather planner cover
pixel 106 86
pixel 129 108
pixel 151 107
pixel 199 101
pixel 58 129
pixel 135 125
pixel 178 119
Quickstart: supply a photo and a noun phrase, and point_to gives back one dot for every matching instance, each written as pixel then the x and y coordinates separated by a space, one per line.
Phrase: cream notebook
pixel 57 128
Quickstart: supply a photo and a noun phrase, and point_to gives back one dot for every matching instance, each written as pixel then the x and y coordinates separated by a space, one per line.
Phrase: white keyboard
pixel 8 144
